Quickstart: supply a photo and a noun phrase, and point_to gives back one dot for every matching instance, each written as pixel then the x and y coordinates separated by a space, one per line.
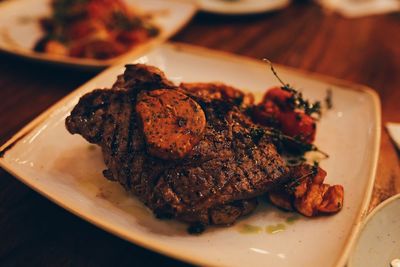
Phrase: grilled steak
pixel 185 153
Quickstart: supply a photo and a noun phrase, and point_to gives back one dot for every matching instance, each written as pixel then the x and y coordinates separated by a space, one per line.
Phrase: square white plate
pixel 68 170
pixel 20 29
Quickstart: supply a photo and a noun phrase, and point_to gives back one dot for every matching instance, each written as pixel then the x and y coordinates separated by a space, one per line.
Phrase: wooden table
pixel 36 232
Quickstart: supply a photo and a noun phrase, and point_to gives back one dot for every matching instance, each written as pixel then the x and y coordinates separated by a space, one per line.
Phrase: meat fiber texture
pixel 186 153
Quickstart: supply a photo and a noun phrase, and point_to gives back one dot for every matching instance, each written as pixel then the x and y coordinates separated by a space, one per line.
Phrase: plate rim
pixel 361 213
pixel 88 63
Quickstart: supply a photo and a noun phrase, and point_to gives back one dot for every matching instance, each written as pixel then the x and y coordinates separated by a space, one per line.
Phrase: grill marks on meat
pixel 214 183
pixel 229 165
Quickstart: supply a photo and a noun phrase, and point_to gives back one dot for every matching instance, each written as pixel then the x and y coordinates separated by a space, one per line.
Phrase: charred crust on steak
pixel 138 77
pixel 218 91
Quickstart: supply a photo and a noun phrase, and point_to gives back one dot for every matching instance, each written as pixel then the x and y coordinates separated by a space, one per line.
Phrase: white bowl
pixel 379 241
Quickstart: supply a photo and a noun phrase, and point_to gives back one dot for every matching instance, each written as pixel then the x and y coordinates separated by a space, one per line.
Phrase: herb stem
pixel 275 133
pixel 274 72
pixel 316 149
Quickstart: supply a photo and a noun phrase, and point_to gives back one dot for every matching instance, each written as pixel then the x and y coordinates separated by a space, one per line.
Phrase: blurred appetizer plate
pixel 241 7
pixel 379 241
pixel 20 29
pixel 67 170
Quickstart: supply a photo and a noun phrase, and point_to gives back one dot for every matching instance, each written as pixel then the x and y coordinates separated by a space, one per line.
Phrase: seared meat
pixel 224 214
pixel 212 91
pixel 222 168
pixel 140 77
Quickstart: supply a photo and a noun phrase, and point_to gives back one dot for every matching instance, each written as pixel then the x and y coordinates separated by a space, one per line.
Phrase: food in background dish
pixel 193 152
pixel 98 29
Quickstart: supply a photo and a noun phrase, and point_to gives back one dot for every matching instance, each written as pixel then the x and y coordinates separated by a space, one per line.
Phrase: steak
pixel 185 153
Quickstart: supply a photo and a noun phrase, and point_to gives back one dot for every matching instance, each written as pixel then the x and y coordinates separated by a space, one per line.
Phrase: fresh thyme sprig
pixel 278 137
pixel 299 144
pixel 297 100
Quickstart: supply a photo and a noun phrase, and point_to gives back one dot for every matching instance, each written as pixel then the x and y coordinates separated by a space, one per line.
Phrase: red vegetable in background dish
pixel 99 29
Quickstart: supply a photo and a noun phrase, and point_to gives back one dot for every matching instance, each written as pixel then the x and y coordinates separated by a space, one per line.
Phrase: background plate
pixel 19 28
pixel 67 170
pixel 241 7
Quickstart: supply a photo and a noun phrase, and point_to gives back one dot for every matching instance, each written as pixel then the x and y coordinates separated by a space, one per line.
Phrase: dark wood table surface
pixel 36 232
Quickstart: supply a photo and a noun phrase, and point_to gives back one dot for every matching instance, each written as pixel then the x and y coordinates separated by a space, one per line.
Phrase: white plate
pixel 379 241
pixel 67 170
pixel 241 7
pixel 394 132
pixel 20 30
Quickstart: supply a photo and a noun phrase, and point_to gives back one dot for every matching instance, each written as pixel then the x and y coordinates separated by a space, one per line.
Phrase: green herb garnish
pixel 293 145
pixel 297 100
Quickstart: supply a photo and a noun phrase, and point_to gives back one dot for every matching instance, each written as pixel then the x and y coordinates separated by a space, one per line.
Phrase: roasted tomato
pixel 297 123
pixel 277 110
pixel 280 97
